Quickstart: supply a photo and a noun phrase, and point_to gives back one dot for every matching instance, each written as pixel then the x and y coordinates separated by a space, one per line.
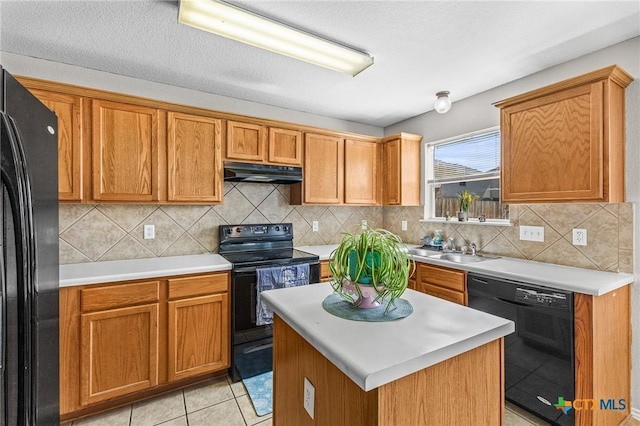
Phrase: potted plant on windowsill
pixel 465 198
pixel 371 268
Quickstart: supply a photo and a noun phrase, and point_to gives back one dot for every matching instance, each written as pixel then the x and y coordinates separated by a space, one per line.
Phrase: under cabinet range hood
pixel 261 173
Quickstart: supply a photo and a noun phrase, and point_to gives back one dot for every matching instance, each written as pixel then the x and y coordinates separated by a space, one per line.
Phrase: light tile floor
pixel 221 402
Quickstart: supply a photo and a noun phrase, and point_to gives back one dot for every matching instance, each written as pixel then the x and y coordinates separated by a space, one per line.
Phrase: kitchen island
pixel 443 364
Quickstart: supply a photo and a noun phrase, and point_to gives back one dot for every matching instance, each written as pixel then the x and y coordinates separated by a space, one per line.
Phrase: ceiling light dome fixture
pixel 247 27
pixel 443 103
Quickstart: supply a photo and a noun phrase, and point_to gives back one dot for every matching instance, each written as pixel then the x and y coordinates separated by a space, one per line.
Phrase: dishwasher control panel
pixel 541 298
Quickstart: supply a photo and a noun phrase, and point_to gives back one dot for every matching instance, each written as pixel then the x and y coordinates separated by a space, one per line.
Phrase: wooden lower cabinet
pixel 445 283
pixel 119 352
pixel 325 272
pixel 198 340
pixel 123 341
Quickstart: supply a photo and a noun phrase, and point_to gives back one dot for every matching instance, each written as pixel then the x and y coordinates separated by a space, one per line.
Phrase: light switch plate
pixel 532 233
pixel 315 226
pixel 404 225
pixel 309 397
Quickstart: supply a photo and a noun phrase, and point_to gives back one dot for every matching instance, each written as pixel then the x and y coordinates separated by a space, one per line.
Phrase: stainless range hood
pixel 261 173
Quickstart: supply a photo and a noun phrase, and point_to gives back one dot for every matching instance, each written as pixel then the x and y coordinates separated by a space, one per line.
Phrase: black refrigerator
pixel 29 261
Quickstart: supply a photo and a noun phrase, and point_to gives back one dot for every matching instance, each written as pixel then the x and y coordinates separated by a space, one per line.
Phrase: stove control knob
pixel 285 228
pixel 238 229
pixel 277 228
pixel 229 231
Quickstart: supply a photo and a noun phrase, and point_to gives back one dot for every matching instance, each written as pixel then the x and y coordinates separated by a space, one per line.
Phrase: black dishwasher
pixel 539 361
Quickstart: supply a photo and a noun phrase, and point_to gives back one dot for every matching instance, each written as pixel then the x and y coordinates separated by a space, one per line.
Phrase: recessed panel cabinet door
pixel 119 352
pixel 285 146
pixel 245 141
pixel 194 158
pixel 361 161
pixel 198 335
pixel 323 169
pixel 125 152
pixel 392 175
pixel 68 108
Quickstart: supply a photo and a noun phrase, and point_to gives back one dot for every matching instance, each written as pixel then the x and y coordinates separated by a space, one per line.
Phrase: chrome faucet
pixel 452 244
pixel 474 249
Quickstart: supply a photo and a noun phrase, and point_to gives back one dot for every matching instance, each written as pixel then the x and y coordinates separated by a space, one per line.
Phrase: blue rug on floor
pixel 260 390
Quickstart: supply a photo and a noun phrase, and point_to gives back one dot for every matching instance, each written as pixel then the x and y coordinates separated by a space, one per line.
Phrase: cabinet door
pixel 125 152
pixel 198 335
pixel 194 158
pixel 552 147
pixel 245 141
pixel 119 352
pixel 323 169
pixel 285 146
pixel 68 108
pixel 392 174
pixel 361 172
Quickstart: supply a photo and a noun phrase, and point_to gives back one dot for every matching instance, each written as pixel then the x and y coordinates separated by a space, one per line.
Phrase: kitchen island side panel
pixel 466 389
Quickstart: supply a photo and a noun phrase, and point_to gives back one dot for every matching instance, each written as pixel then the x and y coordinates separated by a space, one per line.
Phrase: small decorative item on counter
pixel 465 198
pixel 426 240
pixel 437 238
pixel 482 218
pixel 447 217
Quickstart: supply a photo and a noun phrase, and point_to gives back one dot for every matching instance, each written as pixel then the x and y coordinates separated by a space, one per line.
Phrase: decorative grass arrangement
pixel 375 258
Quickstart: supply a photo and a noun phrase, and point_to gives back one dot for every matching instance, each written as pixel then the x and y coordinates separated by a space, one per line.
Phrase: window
pixel 470 162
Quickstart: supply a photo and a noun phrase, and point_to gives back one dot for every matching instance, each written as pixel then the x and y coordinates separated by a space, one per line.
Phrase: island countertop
pixel 375 353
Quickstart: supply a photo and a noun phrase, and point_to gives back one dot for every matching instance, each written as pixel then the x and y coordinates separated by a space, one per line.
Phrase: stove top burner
pixel 246 258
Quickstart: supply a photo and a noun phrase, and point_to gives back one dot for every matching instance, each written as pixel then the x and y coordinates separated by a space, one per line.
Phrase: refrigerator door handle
pixel 22 213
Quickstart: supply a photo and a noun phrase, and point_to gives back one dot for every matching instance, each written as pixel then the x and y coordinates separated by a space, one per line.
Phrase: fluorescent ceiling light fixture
pixel 238 24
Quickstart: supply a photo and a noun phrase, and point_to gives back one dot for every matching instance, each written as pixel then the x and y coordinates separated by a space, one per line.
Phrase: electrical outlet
pixel 579 237
pixel 149 232
pixel 315 226
pixel 404 225
pixel 532 233
pixel 309 397
pixel 363 224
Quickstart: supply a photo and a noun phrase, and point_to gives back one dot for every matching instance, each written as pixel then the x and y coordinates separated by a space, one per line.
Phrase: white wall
pixel 63 73
pixel 477 113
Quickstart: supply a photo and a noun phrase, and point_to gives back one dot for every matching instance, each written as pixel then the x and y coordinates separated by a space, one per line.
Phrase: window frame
pixel 428 171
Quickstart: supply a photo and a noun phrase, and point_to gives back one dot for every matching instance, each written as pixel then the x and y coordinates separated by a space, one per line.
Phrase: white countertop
pixel 580 280
pixel 436 330
pixel 324 252
pixel 133 269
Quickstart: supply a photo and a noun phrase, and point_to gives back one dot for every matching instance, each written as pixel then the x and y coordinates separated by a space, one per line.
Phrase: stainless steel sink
pixel 461 258
pixel 421 252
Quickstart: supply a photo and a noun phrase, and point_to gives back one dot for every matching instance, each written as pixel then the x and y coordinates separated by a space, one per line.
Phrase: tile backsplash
pixel 609 233
pixel 91 233
pixel 100 232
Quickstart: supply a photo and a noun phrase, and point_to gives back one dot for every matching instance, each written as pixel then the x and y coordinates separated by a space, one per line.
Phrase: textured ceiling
pixel 420 47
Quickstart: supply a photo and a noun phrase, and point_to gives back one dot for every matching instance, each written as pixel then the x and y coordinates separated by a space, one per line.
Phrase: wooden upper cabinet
pixel 125 152
pixel 361 172
pixel 565 142
pixel 401 170
pixel 68 108
pixel 323 169
pixel 245 141
pixel 194 158
pixel 285 146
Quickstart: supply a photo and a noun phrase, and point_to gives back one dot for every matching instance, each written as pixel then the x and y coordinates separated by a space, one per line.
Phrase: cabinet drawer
pixel 442 293
pixel 114 296
pixel 325 272
pixel 197 286
pixel 448 278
